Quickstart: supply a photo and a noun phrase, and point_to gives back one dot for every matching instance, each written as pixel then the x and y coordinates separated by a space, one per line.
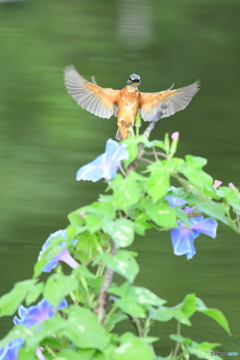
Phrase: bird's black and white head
pixel 134 80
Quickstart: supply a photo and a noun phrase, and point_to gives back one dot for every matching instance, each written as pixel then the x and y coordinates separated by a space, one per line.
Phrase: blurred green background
pixel 45 136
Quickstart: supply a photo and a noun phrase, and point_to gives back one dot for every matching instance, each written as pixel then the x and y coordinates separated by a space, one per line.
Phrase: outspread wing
pixel 166 103
pixel 98 101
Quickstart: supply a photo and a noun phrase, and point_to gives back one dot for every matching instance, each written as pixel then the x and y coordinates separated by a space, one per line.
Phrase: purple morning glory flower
pixel 11 350
pixel 105 165
pixel 63 255
pixel 36 313
pixel 183 237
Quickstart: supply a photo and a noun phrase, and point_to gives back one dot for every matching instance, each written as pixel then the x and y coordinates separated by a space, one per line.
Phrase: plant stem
pixel 136 323
pixel 146 160
pixel 146 133
pixel 106 283
pixel 157 153
pixel 110 313
pixel 177 343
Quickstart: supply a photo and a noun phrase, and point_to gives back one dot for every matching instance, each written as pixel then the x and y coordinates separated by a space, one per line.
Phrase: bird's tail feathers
pixel 118 136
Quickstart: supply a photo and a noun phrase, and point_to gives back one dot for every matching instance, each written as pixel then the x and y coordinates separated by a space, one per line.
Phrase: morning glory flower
pixel 183 237
pixel 232 186
pixel 63 255
pixel 11 350
pixel 37 313
pixel 217 183
pixel 175 136
pixel 175 201
pixel 105 165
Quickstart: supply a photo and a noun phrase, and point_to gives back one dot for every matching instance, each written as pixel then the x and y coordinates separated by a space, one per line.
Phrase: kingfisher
pixel 126 103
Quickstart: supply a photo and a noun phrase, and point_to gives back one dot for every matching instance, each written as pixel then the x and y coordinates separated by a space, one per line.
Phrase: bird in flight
pixel 126 103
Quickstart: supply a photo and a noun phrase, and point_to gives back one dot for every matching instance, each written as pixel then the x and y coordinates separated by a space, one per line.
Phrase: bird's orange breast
pixel 128 104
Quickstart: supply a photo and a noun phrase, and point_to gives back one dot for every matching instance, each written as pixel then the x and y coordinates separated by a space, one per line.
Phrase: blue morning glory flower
pixel 105 165
pixel 11 350
pixel 183 237
pixel 175 201
pixel 63 255
pixel 37 313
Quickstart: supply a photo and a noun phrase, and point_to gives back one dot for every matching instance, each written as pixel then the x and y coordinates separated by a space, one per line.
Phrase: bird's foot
pixel 124 124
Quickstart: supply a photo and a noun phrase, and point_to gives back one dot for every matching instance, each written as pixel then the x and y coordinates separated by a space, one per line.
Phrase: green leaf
pixel 182 216
pixel 121 231
pixel 161 314
pixel 75 217
pixel 19 331
pixel 203 350
pixel 232 196
pixel 26 354
pixel 132 347
pixel 162 214
pixel 217 211
pixel 134 298
pixel 39 266
pixel 106 198
pixel 113 184
pixel 73 231
pixel 165 314
pixel 50 326
pixel 173 164
pixel 101 209
pixel 119 290
pixel 11 301
pixel 158 183
pixel 83 271
pixel 128 306
pixel 198 178
pixel 94 223
pixel 34 293
pixel 144 296
pixel 58 286
pixel 126 194
pixel 150 339
pixel 215 314
pixel 122 263
pixel 218 316
pixel 86 354
pixel 100 356
pixel 84 330
pixel 86 242
pixel 68 354
pixel 52 342
pixel 181 339
pixel 114 319
pixel 139 228
pixel 132 148
pixel 196 162
pixel 155 143
pixel 140 222
pixel 180 316
pixel 188 306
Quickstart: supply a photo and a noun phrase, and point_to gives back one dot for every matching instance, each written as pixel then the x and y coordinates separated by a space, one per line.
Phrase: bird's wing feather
pixel 166 103
pixel 95 99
